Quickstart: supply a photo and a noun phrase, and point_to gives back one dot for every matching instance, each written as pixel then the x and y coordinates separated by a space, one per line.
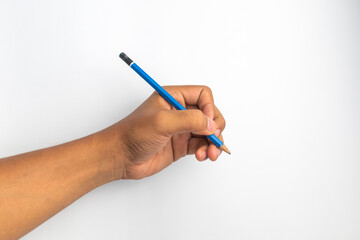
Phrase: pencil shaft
pixel 157 87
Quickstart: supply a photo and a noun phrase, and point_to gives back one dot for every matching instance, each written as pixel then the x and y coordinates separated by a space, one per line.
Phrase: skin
pixel 35 186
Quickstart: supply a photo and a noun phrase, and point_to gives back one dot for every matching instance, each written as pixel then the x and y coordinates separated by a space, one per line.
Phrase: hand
pixel 156 134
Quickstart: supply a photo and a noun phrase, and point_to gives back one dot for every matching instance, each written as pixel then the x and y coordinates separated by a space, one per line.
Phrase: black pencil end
pixel 126 59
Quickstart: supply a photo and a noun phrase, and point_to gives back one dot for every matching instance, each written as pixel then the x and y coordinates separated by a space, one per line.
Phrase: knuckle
pixel 207 89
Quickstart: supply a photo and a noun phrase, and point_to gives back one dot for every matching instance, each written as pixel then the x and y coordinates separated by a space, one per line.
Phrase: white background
pixel 285 74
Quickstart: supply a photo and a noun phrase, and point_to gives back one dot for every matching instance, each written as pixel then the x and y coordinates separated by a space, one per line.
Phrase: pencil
pixel 218 143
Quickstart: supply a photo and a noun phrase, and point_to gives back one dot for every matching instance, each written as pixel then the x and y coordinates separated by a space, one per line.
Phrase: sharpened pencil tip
pixel 126 59
pixel 225 149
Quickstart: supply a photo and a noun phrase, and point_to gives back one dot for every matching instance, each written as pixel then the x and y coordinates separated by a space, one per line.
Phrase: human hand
pixel 156 134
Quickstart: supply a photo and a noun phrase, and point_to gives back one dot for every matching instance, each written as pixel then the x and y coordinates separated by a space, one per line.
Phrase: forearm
pixel 34 186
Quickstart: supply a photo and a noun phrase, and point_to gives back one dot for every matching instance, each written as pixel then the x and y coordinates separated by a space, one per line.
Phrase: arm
pixel 36 185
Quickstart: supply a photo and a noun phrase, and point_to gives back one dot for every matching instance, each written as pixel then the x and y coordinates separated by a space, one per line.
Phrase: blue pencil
pixel 168 97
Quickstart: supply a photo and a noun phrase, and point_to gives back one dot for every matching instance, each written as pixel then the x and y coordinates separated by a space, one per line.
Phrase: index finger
pixel 194 95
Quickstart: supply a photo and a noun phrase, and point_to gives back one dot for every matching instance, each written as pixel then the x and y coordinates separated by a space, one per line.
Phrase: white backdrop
pixel 285 74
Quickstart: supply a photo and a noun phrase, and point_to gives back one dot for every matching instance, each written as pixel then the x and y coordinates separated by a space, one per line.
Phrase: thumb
pixel 173 122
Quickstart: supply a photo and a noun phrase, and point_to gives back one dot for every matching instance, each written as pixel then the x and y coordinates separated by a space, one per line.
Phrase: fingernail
pixel 211 125
pixel 217 132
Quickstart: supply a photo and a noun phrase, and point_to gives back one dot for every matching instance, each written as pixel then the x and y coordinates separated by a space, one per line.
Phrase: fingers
pixel 170 122
pixel 200 96
pixel 197 119
pixel 219 119
pixel 198 146
pixel 203 150
pixel 201 153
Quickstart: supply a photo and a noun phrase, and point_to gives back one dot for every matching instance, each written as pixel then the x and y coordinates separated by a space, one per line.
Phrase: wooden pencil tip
pixel 225 149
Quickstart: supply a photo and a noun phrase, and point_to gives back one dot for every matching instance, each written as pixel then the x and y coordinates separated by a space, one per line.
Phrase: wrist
pixel 110 154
